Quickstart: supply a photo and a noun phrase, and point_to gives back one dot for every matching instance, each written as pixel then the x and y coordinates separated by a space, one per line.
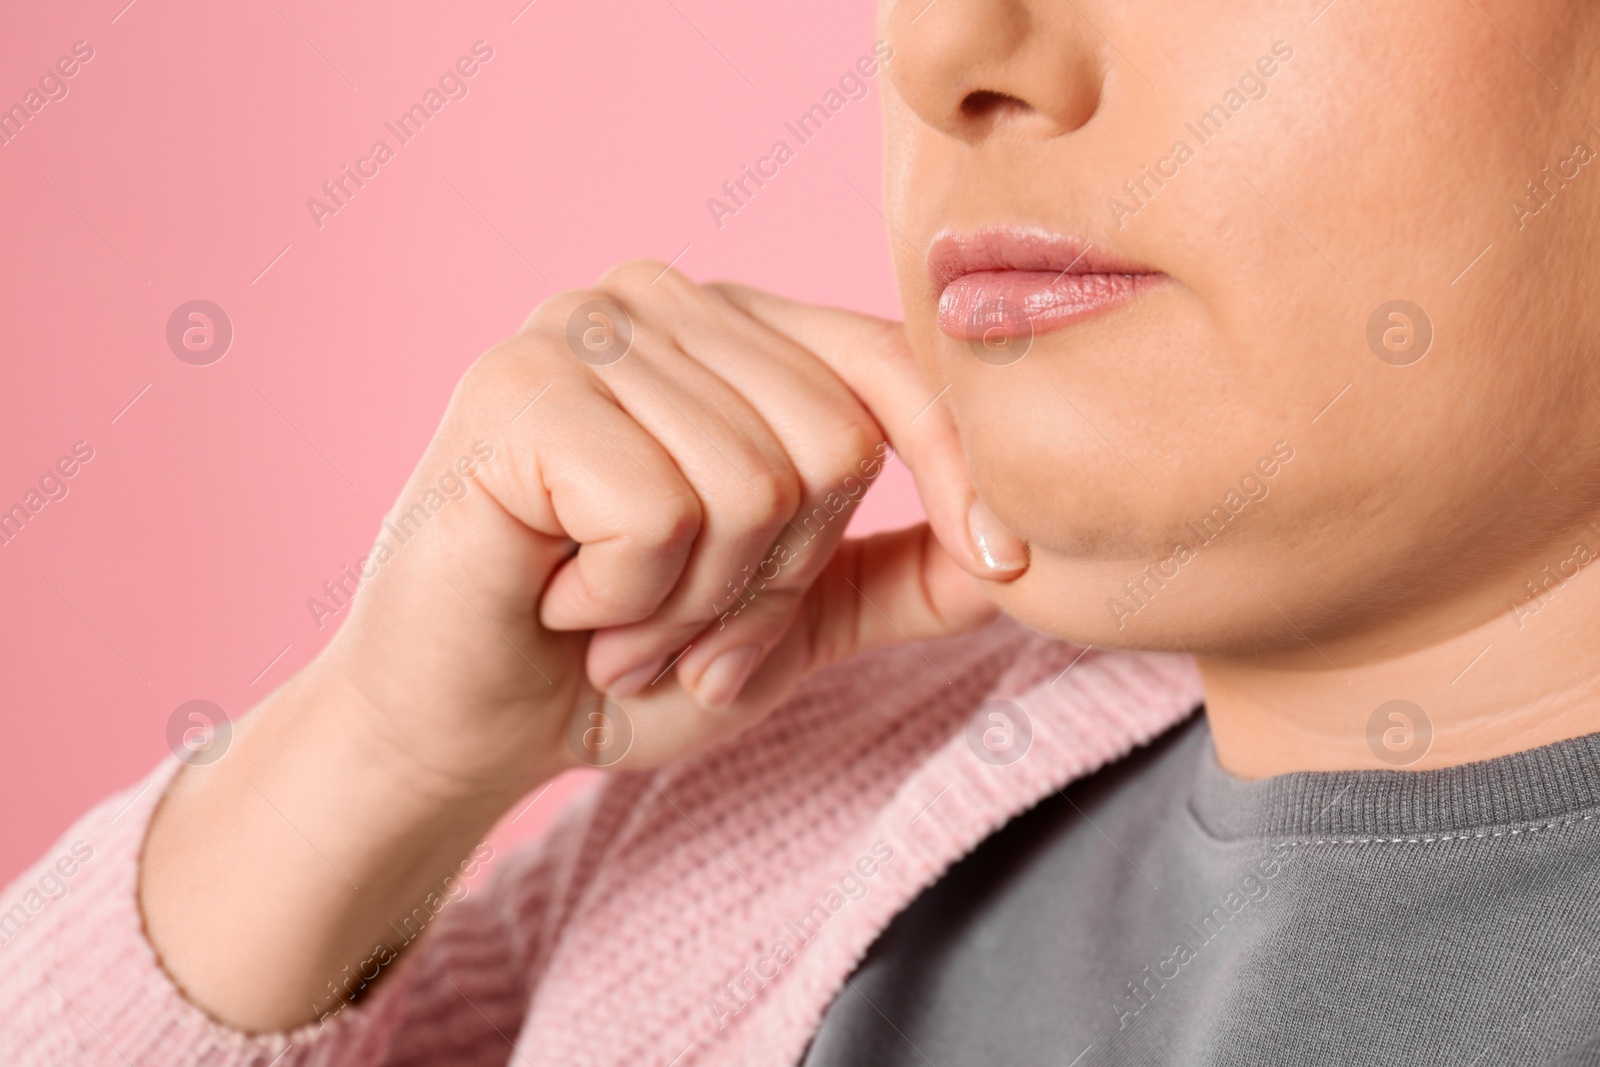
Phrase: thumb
pixel 873 358
pixel 894 587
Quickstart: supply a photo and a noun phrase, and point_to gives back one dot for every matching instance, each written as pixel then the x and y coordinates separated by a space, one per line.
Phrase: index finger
pixel 873 358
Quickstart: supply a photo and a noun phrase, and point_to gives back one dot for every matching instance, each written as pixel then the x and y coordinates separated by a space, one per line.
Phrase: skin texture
pixel 1378 163
pixel 1384 557
pixel 465 673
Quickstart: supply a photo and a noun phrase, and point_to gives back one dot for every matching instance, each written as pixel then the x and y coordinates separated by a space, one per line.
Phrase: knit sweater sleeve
pixel 81 984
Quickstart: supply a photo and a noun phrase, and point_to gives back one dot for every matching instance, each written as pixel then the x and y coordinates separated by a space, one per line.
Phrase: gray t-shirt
pixel 1163 911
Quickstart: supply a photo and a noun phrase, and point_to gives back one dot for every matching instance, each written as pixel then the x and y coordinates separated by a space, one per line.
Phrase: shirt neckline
pixel 1540 785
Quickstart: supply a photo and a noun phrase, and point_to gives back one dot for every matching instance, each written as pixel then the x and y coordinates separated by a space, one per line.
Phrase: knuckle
pixel 670 526
pixel 727 294
pixel 770 495
pixel 549 316
pixel 500 372
pixel 845 453
pixel 594 325
pixel 850 445
pixel 636 274
pixel 889 339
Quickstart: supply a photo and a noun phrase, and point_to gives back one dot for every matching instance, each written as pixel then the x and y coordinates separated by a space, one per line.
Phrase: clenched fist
pixel 625 541
pixel 662 522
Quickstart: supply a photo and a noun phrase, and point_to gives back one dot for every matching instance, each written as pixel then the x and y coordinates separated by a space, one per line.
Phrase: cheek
pixel 1103 440
pixel 1043 469
pixel 1107 443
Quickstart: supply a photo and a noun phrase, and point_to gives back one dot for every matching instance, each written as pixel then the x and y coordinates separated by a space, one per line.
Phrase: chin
pixel 1202 605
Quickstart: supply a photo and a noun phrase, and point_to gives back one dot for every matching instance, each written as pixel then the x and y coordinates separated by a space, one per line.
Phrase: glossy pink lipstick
pixel 1004 280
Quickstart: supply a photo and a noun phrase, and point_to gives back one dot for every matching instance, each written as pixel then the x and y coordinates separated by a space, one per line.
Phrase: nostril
pixel 986 103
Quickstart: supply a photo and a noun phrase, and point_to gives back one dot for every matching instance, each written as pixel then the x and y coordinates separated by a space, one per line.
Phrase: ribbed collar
pixel 1540 785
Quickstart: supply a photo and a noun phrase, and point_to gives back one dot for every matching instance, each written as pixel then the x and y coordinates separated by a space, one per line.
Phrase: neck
pixel 1509 668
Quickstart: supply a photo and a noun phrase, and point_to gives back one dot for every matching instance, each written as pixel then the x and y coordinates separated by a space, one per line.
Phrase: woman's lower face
pixel 1270 329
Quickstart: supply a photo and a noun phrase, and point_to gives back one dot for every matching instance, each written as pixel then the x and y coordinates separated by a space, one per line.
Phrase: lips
pixel 1002 281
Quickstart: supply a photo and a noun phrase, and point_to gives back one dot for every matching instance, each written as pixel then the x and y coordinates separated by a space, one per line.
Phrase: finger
pixel 745 482
pixel 892 588
pixel 873 357
pixel 889 589
pixel 835 448
pixel 585 472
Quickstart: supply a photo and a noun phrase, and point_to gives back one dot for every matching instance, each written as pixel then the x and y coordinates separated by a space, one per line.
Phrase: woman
pixel 1261 335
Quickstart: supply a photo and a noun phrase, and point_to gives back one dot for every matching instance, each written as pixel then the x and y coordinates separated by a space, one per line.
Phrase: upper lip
pixel 953 254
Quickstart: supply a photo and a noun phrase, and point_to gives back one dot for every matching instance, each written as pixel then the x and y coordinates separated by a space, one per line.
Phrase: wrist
pixel 443 757
pixel 315 822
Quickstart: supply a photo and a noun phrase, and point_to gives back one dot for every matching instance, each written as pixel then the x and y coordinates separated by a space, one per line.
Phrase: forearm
pixel 530 563
pixel 268 873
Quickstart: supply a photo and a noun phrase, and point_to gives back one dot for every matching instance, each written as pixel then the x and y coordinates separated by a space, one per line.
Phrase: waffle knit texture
pixel 702 914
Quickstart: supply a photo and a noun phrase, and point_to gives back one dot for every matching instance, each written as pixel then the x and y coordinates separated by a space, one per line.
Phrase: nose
pixel 970 68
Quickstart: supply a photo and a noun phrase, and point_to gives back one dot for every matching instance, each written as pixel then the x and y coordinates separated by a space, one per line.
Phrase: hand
pixel 667 527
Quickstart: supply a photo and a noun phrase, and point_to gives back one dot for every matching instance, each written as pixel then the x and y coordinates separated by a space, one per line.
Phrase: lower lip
pixel 974 306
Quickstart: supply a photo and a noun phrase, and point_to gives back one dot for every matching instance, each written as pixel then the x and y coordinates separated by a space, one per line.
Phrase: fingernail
pixel 721 682
pixel 632 681
pixel 997 547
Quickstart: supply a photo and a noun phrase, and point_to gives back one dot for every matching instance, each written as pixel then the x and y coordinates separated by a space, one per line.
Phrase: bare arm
pixel 723 443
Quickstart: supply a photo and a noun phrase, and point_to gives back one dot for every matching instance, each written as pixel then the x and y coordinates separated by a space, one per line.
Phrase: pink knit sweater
pixel 702 914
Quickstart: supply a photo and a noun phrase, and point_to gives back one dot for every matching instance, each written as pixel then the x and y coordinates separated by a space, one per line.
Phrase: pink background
pixel 178 168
